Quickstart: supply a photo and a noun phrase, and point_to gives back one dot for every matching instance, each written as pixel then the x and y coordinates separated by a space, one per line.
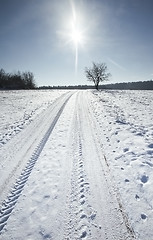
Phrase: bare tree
pixel 97 73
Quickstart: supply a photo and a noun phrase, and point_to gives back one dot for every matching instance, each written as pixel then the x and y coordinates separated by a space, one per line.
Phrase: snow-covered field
pixel 76 165
pixel 126 120
pixel 19 108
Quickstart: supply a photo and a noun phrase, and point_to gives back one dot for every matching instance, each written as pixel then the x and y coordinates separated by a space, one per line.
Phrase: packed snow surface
pixel 76 165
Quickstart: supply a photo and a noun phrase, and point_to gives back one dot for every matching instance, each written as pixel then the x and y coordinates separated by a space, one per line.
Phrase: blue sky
pixel 36 36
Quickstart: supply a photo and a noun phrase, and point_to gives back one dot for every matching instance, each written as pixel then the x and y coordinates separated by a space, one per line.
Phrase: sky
pixel 57 39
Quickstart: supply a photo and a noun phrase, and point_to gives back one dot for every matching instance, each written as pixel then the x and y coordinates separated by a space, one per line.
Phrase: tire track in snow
pixel 81 215
pixel 9 203
pixel 15 155
pixel 85 213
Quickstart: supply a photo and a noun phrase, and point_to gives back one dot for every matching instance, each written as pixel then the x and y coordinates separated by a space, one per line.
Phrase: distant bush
pixel 24 80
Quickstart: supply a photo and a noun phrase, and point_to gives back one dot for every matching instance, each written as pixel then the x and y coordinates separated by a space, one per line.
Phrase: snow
pixel 19 108
pixel 76 164
pixel 126 121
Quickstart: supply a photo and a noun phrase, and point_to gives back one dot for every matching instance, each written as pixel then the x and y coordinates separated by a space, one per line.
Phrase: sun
pixel 76 35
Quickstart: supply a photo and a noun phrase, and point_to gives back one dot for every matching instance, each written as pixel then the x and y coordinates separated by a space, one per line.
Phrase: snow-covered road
pixel 57 181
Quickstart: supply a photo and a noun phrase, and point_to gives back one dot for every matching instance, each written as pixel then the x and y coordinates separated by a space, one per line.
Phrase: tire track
pixel 9 203
pixel 81 215
pixel 16 153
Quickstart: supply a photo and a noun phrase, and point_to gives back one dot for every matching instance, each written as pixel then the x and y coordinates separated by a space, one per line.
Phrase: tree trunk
pixel 97 87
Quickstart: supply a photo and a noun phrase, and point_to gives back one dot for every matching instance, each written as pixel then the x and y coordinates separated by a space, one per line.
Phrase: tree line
pixel 18 80
pixel 140 85
pixel 146 85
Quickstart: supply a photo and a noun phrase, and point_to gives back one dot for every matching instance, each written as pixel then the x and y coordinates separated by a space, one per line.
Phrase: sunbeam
pixel 76 33
pixel 76 36
pixel 73 32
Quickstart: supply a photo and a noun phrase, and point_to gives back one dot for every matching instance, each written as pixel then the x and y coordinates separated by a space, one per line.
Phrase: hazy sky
pixel 57 39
